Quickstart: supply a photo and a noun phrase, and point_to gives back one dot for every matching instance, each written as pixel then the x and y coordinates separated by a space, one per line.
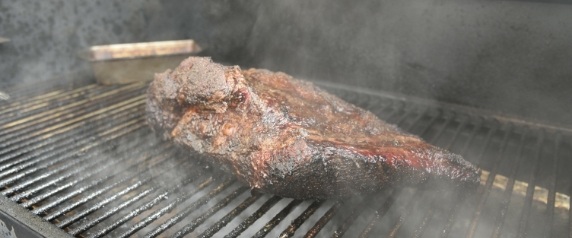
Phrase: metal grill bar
pixel 38 198
pixel 549 229
pixel 184 213
pixel 88 143
pixel 225 220
pixel 508 191
pixel 489 183
pixel 147 206
pixel 94 165
pixel 61 145
pixel 255 216
pixel 74 218
pixel 88 225
pixel 348 221
pixel 289 232
pixel 48 117
pixel 523 221
pixel 379 213
pixel 66 135
pixel 322 221
pixel 53 215
pixel 142 180
pixel 277 219
pixel 67 126
pixel 80 190
pixel 99 219
pixel 26 107
pixel 173 204
pixel 457 203
pixel 400 221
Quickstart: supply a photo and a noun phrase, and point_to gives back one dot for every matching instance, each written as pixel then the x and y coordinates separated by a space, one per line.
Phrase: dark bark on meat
pixel 287 137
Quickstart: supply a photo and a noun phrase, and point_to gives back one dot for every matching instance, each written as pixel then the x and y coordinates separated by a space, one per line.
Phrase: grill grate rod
pixel 59 212
pixel 109 213
pixel 69 120
pixel 79 190
pixel 50 193
pixel 379 213
pixel 20 109
pixel 296 223
pixel 482 196
pixel 407 209
pixel 354 213
pixel 52 116
pixel 132 187
pixel 68 135
pixel 153 189
pixel 525 212
pixel 323 221
pixel 44 207
pixel 174 204
pixel 87 143
pixel 30 192
pixel 57 146
pixel 28 105
pixel 23 96
pixel 254 217
pixel 225 220
pixel 73 119
pixel 19 92
pixel 94 165
pixel 147 206
pixel 551 201
pixel 509 188
pixel 184 213
pixel 277 219
pixel 144 178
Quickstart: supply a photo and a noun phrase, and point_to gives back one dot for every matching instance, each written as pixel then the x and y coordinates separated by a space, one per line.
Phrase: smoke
pixel 484 54
pixel 46 37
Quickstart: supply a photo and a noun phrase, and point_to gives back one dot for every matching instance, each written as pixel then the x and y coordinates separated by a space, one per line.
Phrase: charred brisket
pixel 287 137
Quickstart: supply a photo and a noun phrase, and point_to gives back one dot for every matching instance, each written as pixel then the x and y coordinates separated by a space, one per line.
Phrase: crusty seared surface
pixel 287 137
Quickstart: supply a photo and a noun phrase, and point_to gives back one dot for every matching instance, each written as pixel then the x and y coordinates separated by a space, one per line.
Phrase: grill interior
pixel 83 159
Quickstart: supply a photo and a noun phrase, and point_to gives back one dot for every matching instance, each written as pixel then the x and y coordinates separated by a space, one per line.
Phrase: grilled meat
pixel 287 137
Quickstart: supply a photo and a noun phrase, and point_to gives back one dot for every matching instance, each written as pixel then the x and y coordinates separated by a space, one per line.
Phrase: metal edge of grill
pixel 266 212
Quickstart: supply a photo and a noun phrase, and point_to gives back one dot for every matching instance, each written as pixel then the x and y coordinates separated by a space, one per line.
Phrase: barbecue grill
pixel 488 80
pixel 81 162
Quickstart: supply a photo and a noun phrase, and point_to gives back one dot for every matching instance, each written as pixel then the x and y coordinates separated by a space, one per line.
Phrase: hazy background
pixel 512 57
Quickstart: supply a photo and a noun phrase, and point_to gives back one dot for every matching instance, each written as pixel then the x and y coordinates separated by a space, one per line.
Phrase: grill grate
pixel 84 160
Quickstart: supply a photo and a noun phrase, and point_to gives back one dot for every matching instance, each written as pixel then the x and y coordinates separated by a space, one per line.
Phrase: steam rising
pixel 477 53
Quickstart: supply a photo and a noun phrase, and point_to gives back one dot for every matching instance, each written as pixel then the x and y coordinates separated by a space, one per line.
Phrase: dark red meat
pixel 287 137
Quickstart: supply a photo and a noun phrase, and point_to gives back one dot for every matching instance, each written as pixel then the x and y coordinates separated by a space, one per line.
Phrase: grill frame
pixel 403 115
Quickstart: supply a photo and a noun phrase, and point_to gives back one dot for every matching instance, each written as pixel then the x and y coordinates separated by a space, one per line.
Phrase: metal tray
pixel 136 62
